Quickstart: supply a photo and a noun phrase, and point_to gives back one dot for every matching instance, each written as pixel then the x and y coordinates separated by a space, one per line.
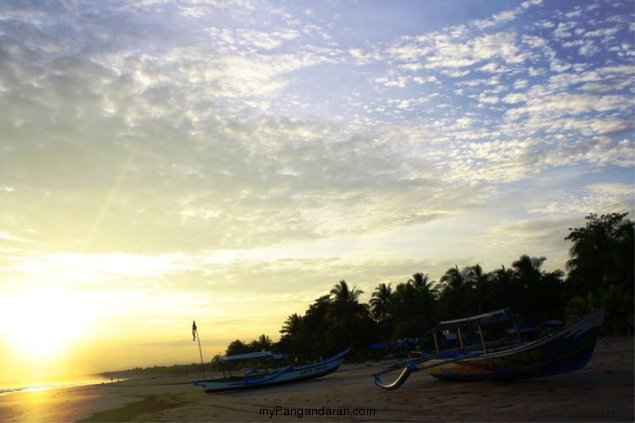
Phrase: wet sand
pixel 601 392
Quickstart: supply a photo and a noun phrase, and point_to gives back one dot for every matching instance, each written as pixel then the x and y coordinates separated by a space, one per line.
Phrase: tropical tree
pixel 601 268
pixel 292 326
pixel 345 301
pixel 602 254
pixel 483 295
pixel 456 294
pixel 425 294
pixel 291 335
pixel 380 302
pixel 349 319
pixel 237 347
pixel 263 343
pixel 381 310
pixel 316 332
pixel 541 293
pixel 502 290
pixel 414 306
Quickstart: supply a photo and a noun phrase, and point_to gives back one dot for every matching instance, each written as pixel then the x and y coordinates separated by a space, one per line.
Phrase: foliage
pixel 601 267
pixel 413 306
pixel 349 320
pixel 600 275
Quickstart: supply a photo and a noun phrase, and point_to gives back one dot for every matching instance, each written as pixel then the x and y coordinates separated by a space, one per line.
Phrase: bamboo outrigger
pixel 564 350
pixel 270 374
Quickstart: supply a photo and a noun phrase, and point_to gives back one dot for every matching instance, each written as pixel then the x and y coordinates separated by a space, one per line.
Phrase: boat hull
pixel 563 351
pixel 289 374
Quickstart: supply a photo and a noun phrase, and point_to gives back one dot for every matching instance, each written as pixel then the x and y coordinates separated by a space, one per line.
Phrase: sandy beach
pixel 603 391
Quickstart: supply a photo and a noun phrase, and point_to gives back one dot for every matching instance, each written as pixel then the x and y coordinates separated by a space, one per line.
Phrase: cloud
pixel 593 198
pixel 149 128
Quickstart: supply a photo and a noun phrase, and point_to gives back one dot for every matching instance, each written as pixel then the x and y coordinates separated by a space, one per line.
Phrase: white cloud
pixel 563 30
pixel 498 19
pixel 592 198
pixel 455 54
pixel 515 98
pixel 262 142
pixel 589 49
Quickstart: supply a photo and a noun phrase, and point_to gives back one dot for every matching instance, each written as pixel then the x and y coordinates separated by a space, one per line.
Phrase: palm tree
pixel 541 293
pixel 452 281
pixel 263 343
pixel 380 302
pixel 483 293
pixel 346 312
pixel 602 267
pixel 455 299
pixel 422 283
pixel 527 269
pixel 502 289
pixel 237 347
pixel 316 328
pixel 414 306
pixel 291 326
pixel 602 254
pixel 291 337
pixel 344 299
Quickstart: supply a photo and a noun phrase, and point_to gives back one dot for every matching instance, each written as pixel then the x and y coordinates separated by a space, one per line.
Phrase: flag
pixel 194 331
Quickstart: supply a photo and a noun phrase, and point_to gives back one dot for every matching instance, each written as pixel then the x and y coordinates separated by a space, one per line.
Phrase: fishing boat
pixel 269 374
pixel 561 350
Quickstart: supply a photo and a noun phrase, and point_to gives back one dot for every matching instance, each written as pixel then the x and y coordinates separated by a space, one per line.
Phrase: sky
pixel 231 161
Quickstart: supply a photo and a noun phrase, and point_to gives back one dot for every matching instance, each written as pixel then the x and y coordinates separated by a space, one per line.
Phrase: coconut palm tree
pixel 346 313
pixel 540 294
pixel 502 290
pixel 291 335
pixel 602 254
pixel 456 294
pixel 291 326
pixel 344 298
pixel 601 268
pixel 425 294
pixel 528 269
pixel 421 283
pixel 380 302
pixel 483 293
pixel 413 306
pixel 263 343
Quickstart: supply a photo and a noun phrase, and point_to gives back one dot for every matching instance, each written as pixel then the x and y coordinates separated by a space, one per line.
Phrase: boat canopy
pixel 481 319
pixel 252 356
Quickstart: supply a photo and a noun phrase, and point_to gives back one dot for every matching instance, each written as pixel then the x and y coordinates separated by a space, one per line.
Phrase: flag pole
pixel 200 351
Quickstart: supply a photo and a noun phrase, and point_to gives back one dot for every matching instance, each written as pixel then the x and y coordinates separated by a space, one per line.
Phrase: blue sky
pixel 231 161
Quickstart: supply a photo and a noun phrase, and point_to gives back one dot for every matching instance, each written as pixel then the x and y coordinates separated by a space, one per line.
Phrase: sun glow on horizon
pixel 41 325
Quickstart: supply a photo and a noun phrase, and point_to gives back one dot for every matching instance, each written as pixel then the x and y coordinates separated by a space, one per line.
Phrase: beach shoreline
pixel 602 391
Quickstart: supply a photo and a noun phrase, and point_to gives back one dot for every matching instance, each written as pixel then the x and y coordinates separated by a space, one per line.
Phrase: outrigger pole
pixel 195 337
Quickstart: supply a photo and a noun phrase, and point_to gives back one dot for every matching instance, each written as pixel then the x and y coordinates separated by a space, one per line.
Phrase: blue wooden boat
pixel 268 374
pixel 563 350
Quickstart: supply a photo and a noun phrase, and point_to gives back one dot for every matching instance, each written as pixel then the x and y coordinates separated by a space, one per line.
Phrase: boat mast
pixel 200 351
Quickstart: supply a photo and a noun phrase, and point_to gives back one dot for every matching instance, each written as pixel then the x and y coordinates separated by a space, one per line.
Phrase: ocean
pixel 53 383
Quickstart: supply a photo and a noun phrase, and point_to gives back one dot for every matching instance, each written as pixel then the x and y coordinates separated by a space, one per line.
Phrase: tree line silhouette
pixel 600 274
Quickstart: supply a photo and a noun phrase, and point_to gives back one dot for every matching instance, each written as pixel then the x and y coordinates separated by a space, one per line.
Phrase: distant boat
pixel 270 374
pixel 563 350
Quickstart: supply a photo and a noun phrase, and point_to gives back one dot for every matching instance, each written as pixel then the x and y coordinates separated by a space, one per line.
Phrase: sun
pixel 41 324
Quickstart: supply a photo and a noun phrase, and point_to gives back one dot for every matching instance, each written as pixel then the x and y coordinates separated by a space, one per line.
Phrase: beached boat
pixel 269 374
pixel 561 350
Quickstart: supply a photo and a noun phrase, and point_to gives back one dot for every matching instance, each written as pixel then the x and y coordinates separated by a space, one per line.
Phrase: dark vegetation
pixel 154 372
pixel 600 274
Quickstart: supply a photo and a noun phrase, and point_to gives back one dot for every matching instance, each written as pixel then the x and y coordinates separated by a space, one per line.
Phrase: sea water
pixel 56 383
